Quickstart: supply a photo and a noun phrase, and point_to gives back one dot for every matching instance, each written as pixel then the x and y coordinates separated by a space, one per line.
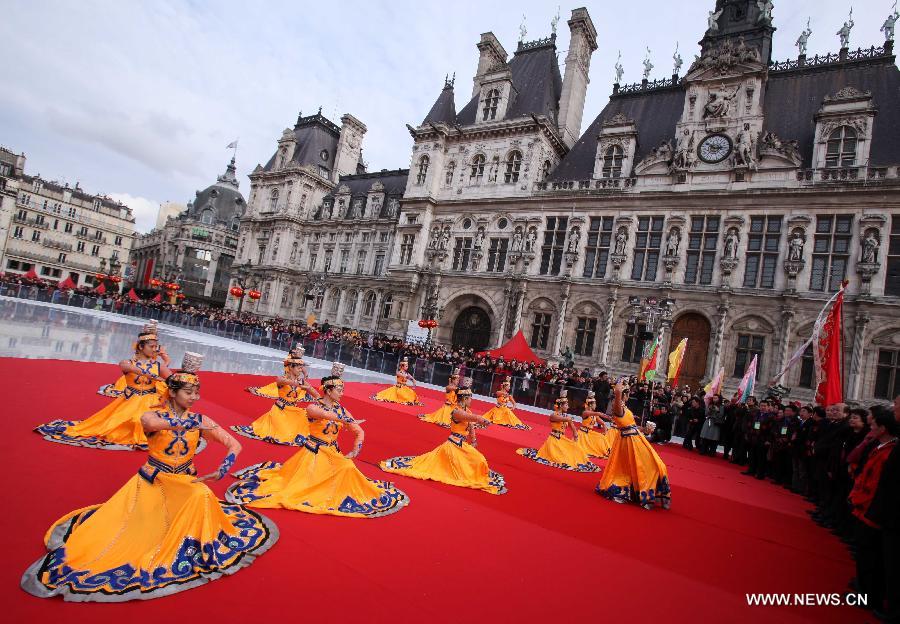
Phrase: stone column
pixel 358 312
pixel 211 274
pixel 854 378
pixel 340 308
pixel 561 320
pixel 504 316
pixel 379 297
pixel 520 301
pixel 607 333
pixel 787 318
pixel 715 362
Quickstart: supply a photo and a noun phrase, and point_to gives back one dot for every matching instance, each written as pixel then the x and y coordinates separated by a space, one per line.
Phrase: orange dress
pixel 284 423
pixel 558 451
pixel 502 415
pixel 634 471
pixel 442 415
pixel 399 392
pixel 593 442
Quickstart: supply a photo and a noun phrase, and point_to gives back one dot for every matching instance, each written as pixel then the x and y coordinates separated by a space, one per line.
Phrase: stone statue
pixel 554 21
pixel 678 61
pixel 574 239
pixel 745 154
pixel 795 247
pixel 731 243
pixel 844 32
pixel 647 65
pixel 479 238
pixel 803 39
pixel 522 30
pixel 517 240
pixel 719 102
pixel 684 152
pixel 393 204
pixel 712 21
pixel 870 248
pixel 444 240
pixel 621 239
pixel 619 69
pixel 435 236
pixel 765 11
pixel 672 242
pixel 532 239
pixel 888 27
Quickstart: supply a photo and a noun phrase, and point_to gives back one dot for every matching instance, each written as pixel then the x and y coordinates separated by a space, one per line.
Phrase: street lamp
pixel 243 276
pixel 653 314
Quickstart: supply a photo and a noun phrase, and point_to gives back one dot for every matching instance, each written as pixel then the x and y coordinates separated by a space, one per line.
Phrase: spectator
pixel 710 432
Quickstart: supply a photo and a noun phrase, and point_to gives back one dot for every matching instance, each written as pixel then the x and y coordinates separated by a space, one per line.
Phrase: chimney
pixel 582 44
pixel 491 54
pixel 349 147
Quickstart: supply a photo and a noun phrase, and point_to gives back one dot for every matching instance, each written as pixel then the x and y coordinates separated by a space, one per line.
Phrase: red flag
pixel 133 295
pixel 827 349
pixel 101 289
pixel 158 298
pixel 66 284
pixel 32 274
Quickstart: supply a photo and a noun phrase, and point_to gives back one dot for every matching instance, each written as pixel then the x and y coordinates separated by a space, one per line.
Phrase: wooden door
pixel 696 329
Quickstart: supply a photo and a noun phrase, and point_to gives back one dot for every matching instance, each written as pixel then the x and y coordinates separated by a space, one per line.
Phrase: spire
pixel 444 109
pixel 230 175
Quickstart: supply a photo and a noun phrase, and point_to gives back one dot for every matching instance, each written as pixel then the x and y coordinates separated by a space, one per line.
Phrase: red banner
pixel 828 345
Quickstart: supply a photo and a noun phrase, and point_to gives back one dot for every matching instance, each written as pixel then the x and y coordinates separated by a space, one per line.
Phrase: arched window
pixel 477 169
pixel 513 164
pixel 841 150
pixel 207 217
pixel 350 308
pixel 451 171
pixel 423 170
pixel 491 100
pixel 369 304
pixel 545 170
pixel 387 305
pixel 334 300
pixel 235 224
pixel 612 162
pixel 273 200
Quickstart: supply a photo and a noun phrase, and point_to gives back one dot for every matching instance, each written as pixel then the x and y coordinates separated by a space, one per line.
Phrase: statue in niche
pixel 574 239
pixel 435 236
pixel 888 27
pixel 844 32
pixel 621 239
pixel 870 248
pixel 672 242
pixel 479 238
pixel 392 206
pixel 719 102
pixel 803 39
pixel 517 239
pixel 532 239
pixel 745 152
pixel 294 252
pixel 795 247
pixel 444 240
pixel 712 21
pixel 731 244
pixel 341 209
pixel 684 153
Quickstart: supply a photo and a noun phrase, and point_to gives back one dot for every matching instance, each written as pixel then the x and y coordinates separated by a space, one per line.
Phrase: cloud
pixel 145 210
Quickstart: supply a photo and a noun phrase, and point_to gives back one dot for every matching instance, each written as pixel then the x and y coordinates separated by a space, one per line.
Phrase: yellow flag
pixel 675 359
pixel 310 319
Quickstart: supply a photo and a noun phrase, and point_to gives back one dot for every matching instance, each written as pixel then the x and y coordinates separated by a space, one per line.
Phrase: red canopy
pixel 32 274
pixel 158 298
pixel 66 284
pixel 101 289
pixel 133 295
pixel 516 349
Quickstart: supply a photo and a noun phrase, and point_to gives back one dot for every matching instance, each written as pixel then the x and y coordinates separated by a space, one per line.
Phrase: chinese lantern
pixel 237 291
pixel 116 279
pixel 100 276
pixel 179 296
pixel 423 323
pixel 173 286
pixel 155 282
pixel 432 324
pixel 254 294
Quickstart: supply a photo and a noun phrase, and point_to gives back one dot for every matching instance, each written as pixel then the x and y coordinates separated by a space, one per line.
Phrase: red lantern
pixel 179 296
pixel 432 324
pixel 173 286
pixel 237 291
pixel 254 294
pixel 116 279
pixel 155 282
pixel 422 323
pixel 100 276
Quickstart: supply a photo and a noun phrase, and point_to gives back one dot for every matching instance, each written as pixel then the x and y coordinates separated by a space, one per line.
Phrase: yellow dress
pixel 634 471
pixel 317 479
pixel 591 441
pixel 398 393
pixel 284 423
pixel 559 451
pixel 442 415
pixel 161 533
pixel 117 427
pixel 455 462
pixel 502 415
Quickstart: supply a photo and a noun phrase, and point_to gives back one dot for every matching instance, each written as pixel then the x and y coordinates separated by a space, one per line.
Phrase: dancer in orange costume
pixel 502 414
pixel 592 431
pixel 443 414
pixel 400 392
pixel 558 451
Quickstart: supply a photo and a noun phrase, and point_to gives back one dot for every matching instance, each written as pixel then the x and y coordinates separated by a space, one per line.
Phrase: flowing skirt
pixel 280 425
pixel 455 462
pixel 593 442
pixel 505 417
pixel 320 481
pixel 558 451
pixel 149 540
pixel 270 391
pixel 635 472
pixel 404 395
pixel 440 417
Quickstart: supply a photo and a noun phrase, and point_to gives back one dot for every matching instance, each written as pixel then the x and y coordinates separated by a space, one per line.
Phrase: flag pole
pixel 843 350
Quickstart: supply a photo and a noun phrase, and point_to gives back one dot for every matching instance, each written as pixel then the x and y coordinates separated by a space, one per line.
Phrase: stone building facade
pixel 198 246
pixel 57 230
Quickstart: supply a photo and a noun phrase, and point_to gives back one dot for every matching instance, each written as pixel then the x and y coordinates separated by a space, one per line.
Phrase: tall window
pixel 360 262
pixel 207 217
pixel 831 252
pixel 633 344
pixel 513 164
pixel 95 250
pixel 350 308
pixel 378 269
pixel 748 345
pixel 477 172
pixel 328 255
pixel 79 247
pixel 841 149
pixel 762 252
pixel 334 301
pixel 36 236
pixel 68 229
pixel 19 232
pixel 892 275
pixel 387 304
pixel 491 100
pixel 701 255
pixel 540 330
pixel 313 257
pixel 552 250
pixel 273 200
pixel 585 332
pixel 596 254
pixel 807 368
pixel 423 170
pixel 646 248
pixel 369 304
pixel 887 375
pixel 612 162
pixel 462 253
pixel 497 255
pixel 451 171
pixel 345 260
pixel 406 249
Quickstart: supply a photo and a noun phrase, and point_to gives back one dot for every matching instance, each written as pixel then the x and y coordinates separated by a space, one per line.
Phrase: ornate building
pixel 198 245
pixel 742 192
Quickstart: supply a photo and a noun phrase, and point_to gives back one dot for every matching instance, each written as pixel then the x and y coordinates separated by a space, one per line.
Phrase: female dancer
pixel 164 531
pixel 117 426
pixel 442 415
pixel 559 451
pixel 285 422
pixel 593 442
pixel 501 414
pixel 634 471
pixel 400 392
pixel 456 461
pixel 318 478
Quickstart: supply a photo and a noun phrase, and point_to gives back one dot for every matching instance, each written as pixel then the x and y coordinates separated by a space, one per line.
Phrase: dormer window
pixel 545 170
pixel 841 148
pixel 451 171
pixel 273 200
pixel 97 204
pixel 423 170
pixel 612 162
pixel 491 101
pixel 477 172
pixel 513 164
pixel 207 217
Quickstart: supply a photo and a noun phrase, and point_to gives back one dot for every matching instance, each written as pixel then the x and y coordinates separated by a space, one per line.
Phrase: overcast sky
pixel 139 99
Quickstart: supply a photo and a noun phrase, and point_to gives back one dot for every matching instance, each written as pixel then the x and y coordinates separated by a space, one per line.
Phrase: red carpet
pixel 548 551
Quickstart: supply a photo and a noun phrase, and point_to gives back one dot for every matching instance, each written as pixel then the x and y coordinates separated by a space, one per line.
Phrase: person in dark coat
pixel 710 432
pixel 694 414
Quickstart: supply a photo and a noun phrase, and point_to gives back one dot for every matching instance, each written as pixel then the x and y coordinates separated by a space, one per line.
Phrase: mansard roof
pixel 444 109
pixel 393 181
pixel 313 134
pixel 537 82
pixel 223 198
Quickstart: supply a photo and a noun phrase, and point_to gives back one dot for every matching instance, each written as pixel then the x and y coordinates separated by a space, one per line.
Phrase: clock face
pixel 714 149
pixel 324 155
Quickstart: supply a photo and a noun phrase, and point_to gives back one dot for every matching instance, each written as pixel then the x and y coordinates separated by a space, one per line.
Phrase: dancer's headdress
pixel 190 364
pixel 404 361
pixel 294 356
pixel 563 396
pixel 591 396
pixel 455 372
pixel 337 370
pixel 148 332
pixel 508 381
pixel 465 387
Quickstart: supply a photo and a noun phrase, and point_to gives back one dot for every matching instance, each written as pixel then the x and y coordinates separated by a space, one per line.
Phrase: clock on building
pixel 714 149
